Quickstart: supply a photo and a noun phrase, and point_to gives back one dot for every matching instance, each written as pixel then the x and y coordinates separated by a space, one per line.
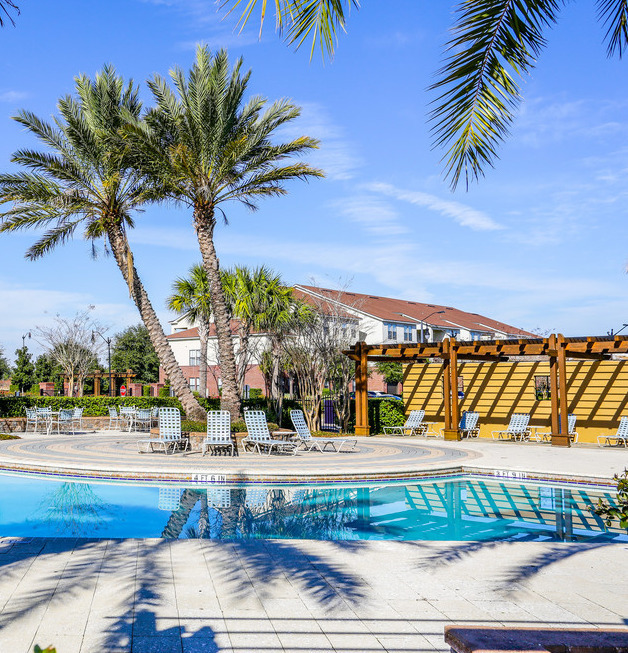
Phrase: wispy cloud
pixel 372 213
pixel 335 156
pixel 12 96
pixel 464 215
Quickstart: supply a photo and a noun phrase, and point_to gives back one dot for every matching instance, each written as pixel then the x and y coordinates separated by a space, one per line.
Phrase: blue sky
pixel 540 243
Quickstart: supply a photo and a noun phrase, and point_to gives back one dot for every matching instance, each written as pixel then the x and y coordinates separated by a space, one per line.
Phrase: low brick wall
pixel 18 424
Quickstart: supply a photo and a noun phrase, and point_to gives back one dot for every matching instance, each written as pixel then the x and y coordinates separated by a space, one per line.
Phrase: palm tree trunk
pixel 230 399
pixel 203 336
pixel 120 250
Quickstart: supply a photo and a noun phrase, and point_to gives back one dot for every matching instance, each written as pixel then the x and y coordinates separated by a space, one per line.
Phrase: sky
pixel 540 243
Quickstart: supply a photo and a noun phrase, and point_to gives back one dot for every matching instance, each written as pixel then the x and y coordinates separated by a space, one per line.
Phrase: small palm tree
pixel 191 296
pixel 494 43
pixel 204 147
pixel 84 181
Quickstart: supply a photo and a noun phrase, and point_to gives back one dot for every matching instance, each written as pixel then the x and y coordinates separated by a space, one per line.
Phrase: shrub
pixel 255 393
pixel 94 406
pixel 238 427
pixel 146 391
pixel 618 512
pixel 165 391
pixel 192 425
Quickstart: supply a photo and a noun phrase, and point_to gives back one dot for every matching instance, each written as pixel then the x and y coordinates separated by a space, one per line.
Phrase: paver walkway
pixel 197 596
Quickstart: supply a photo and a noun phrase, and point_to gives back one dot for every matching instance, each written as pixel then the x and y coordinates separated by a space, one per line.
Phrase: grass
pixel 8 436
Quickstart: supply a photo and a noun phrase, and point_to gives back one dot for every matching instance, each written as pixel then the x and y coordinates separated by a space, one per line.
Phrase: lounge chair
pixel 468 425
pixel 259 438
pixel 308 442
pixel 218 431
pixel 620 438
pixel 517 429
pixel 170 437
pixel 414 425
pixel 546 436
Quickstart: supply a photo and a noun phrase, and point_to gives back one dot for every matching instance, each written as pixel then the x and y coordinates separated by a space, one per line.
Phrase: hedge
pixel 381 412
pixel 94 406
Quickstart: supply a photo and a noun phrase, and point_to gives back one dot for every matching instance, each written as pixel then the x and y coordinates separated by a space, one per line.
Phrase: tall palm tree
pixel 494 44
pixel 205 147
pixel 192 296
pixel 84 181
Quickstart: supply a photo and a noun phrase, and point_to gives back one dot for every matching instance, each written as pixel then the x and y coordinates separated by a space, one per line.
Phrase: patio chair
pixel 143 419
pixel 546 436
pixel 413 426
pixel 620 438
pixel 218 432
pixel 517 429
pixel 259 438
pixel 170 436
pixel 77 418
pixel 44 416
pixel 468 425
pixel 114 419
pixel 31 418
pixel 127 416
pixel 308 442
pixel 64 420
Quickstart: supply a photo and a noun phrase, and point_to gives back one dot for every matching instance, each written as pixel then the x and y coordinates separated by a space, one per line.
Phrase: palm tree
pixel 204 147
pixel 192 296
pixel 494 44
pixel 84 181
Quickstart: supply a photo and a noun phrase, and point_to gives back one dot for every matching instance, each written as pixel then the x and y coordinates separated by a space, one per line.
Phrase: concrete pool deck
pixel 296 596
pixel 106 453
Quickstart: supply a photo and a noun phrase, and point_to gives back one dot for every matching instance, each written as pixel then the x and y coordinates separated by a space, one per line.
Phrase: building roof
pixel 401 311
pixel 192 333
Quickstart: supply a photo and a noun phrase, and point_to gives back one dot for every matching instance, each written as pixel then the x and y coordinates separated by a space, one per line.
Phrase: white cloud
pixel 372 213
pixel 464 215
pixel 12 96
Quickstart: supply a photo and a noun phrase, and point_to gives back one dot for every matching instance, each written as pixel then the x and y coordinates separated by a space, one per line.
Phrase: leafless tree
pixel 70 342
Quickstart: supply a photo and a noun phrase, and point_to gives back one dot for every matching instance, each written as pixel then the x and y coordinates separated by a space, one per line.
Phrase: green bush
pixel 165 391
pixel 238 426
pixel 255 393
pixel 381 412
pixel 146 391
pixel 192 425
pixel 94 406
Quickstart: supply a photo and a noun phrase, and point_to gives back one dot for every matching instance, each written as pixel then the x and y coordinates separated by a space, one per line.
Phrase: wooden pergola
pixel 556 347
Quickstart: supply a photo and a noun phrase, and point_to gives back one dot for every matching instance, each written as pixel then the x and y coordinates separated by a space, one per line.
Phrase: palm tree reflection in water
pixel 74 509
pixel 238 513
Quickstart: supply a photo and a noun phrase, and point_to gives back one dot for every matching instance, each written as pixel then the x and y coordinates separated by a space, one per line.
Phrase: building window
pixel 476 335
pixel 391 330
pixel 194 384
pixel 195 356
pixel 453 333
pixel 407 334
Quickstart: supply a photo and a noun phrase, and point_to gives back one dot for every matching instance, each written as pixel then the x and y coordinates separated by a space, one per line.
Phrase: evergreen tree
pixel 24 372
pixel 132 350
pixel 5 367
pixel 47 370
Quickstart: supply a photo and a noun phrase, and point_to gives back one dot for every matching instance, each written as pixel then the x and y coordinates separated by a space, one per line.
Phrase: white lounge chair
pixel 259 437
pixel 309 442
pixel 170 437
pixel 546 436
pixel 218 431
pixel 414 425
pixel 620 438
pixel 517 429
pixel 468 425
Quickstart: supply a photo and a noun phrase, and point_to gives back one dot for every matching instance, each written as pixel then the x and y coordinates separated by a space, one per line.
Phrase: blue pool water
pixel 462 508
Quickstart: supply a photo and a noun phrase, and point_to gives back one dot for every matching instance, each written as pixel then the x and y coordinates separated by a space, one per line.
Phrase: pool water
pixel 461 508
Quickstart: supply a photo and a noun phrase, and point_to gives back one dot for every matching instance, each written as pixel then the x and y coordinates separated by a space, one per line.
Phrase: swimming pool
pixel 453 508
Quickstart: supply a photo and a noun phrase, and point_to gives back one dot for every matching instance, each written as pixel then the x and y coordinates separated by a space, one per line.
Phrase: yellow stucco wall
pixel 597 393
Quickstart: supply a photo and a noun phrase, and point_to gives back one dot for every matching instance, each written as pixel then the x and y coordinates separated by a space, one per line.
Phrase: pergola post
pixel 96 385
pixel 361 391
pixel 560 438
pixel 447 384
pixel 451 431
pixel 553 364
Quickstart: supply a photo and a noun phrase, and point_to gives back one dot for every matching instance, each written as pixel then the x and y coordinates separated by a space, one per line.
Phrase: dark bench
pixel 482 639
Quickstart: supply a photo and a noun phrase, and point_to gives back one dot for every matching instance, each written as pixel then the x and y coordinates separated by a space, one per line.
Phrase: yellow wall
pixel 597 392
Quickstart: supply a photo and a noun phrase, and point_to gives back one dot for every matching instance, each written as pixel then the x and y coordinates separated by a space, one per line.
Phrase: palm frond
pixel 614 16
pixel 494 41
